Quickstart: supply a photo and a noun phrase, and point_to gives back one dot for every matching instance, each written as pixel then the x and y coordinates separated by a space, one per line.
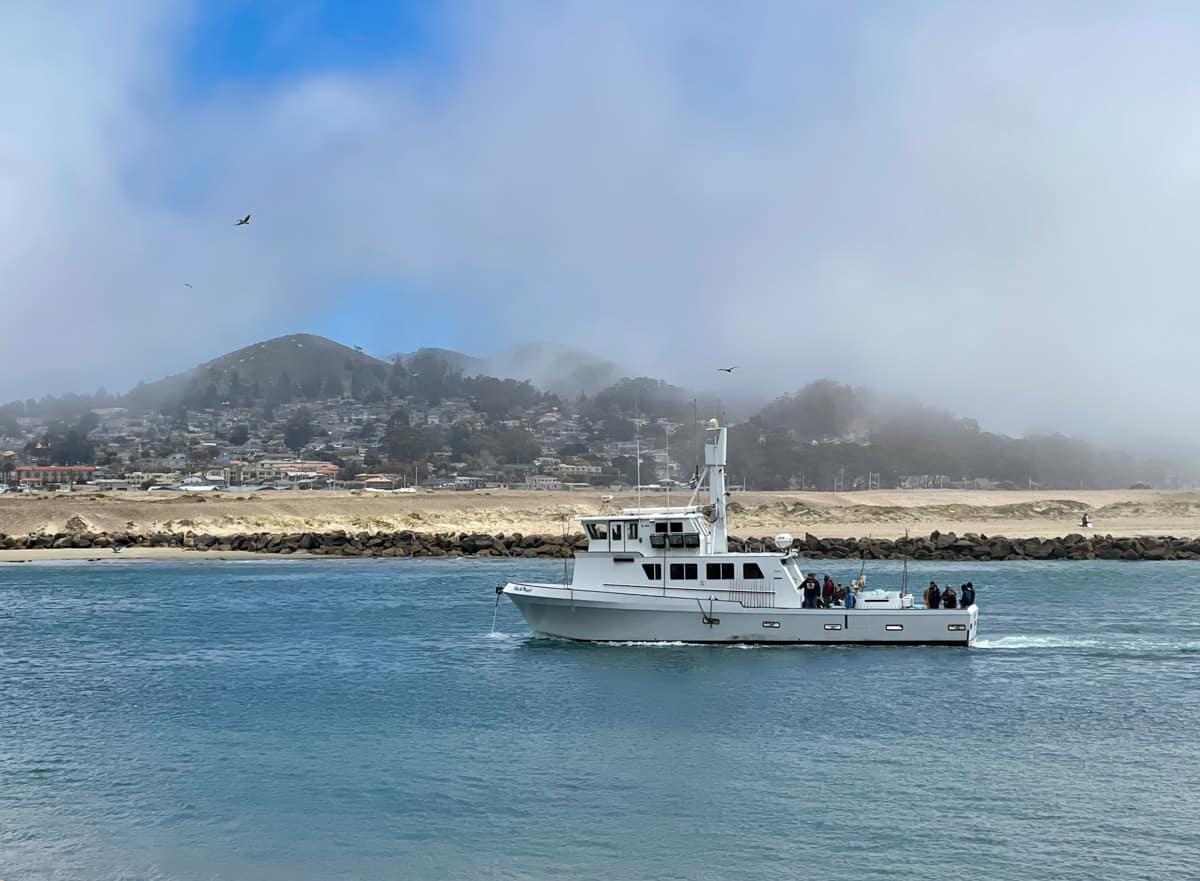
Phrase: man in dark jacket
pixel 812 590
pixel 968 595
pixel 933 596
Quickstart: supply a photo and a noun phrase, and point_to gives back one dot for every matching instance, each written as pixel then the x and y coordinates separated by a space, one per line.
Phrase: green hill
pixel 280 369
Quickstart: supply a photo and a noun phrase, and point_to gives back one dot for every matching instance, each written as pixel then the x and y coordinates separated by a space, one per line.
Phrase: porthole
pixel 893 626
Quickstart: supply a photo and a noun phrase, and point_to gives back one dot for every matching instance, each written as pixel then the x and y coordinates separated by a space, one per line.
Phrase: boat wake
pixel 1133 645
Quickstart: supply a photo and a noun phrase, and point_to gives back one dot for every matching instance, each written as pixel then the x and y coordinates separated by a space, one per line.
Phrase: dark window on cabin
pixel 677 572
pixel 660 526
pixel 598 530
pixel 653 571
pixel 727 571
pixel 751 570
pixel 616 531
pixel 691 571
pixel 631 530
pixel 719 571
pixel 677 526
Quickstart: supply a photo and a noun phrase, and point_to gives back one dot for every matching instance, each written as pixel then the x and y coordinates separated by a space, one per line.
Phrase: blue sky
pixel 973 203
pixel 235 41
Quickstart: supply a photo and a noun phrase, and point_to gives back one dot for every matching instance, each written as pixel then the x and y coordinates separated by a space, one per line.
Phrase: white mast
pixel 714 461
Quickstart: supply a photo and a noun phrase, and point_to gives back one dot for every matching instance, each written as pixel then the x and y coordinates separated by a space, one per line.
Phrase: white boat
pixel 666 574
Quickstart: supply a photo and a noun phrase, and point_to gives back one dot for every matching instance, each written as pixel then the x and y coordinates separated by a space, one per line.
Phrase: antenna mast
pixel 637 448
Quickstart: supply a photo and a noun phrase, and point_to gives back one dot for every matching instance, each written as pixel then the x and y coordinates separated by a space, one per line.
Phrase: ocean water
pixel 357 720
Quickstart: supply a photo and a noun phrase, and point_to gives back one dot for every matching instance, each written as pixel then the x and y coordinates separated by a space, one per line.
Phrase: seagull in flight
pixel 186 285
pixel 244 221
pixel 728 369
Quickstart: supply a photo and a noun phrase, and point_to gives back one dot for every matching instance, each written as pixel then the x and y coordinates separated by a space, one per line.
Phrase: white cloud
pixel 988 207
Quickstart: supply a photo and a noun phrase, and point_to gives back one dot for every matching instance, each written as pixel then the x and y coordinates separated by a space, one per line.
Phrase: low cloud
pixel 986 207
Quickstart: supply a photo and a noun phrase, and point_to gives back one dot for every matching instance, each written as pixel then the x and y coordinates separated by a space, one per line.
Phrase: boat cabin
pixel 648 531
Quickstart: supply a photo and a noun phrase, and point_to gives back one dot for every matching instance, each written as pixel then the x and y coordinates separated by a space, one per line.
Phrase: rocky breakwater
pixel 936 546
pixel 330 544
pixel 978 547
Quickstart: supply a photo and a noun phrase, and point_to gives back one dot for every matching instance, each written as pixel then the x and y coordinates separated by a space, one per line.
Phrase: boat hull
pixel 598 616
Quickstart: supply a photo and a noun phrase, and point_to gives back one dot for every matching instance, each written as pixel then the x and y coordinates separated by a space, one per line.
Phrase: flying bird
pixel 245 220
pixel 186 285
pixel 728 369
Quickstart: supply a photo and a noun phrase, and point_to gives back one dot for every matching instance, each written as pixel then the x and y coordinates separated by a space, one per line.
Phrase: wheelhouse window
pixel 660 526
pixel 653 571
pixel 631 530
pixel 597 530
pixel 685 571
pixel 616 531
pixel 751 570
pixel 677 526
pixel 718 572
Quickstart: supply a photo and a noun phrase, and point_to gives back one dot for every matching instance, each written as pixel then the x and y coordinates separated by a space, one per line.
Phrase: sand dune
pixel 884 514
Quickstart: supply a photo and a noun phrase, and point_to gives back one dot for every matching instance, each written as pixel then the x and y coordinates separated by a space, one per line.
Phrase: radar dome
pixel 783 541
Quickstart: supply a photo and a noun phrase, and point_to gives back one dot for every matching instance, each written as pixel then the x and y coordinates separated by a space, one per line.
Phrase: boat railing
pixel 753 594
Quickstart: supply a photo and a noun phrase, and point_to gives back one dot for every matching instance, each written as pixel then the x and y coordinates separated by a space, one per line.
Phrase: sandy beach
pixel 105 555
pixel 881 514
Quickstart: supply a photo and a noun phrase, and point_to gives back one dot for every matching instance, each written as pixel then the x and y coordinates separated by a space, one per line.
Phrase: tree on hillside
pixel 282 390
pixel 398 379
pixel 310 388
pixel 433 380
pixel 238 435
pixel 299 430
pixel 235 393
pixel 333 386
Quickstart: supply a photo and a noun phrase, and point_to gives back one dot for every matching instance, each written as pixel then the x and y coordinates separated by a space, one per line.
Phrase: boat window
pixel 653 571
pixel 660 526
pixel 751 570
pixel 719 571
pixel 691 571
pixel 677 526
pixel 616 531
pixel 677 572
pixel 597 530
pixel 631 530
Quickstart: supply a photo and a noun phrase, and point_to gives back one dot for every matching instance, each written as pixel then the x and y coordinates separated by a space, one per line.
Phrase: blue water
pixel 355 720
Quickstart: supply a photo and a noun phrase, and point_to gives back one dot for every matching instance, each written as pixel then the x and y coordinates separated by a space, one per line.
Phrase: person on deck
pixel 933 596
pixel 812 590
pixel 827 591
pixel 848 600
pixel 949 598
pixel 968 595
